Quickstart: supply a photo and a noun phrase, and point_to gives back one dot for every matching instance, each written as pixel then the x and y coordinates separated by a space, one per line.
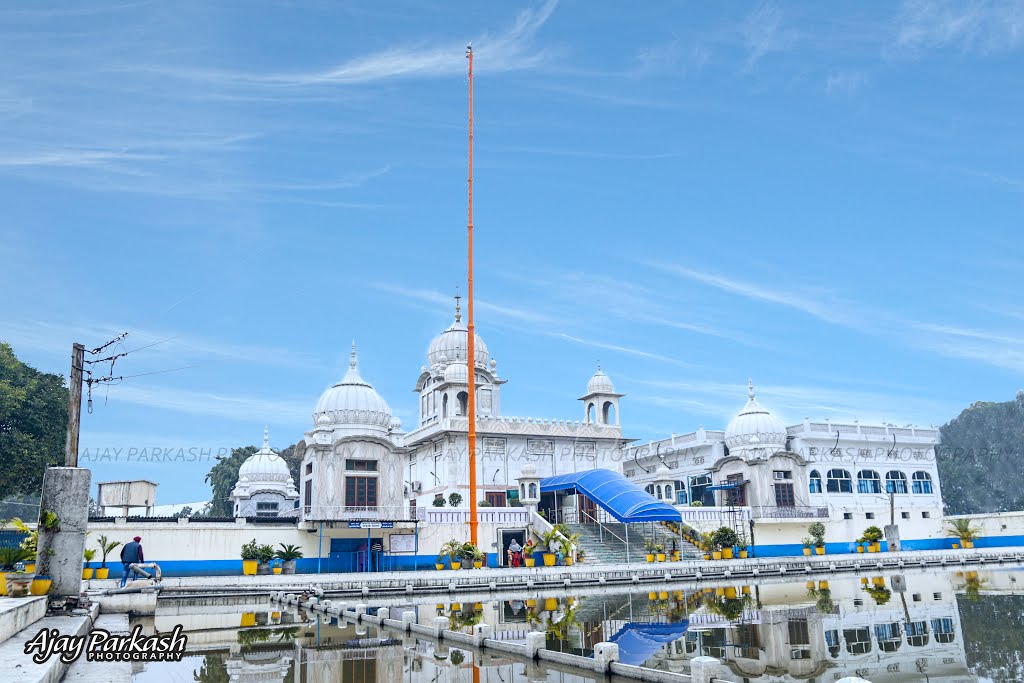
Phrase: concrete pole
pixel 66 495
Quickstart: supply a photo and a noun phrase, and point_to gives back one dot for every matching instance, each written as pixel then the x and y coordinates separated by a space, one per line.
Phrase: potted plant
pixel 29 544
pixel 438 500
pixel 965 530
pixel 40 584
pixel 453 551
pixel 817 532
pixel 706 544
pixel 439 562
pixel 477 555
pixel 861 544
pixel 880 594
pixel 106 547
pixel 457 658
pixel 250 558
pixel 568 542
pixel 649 547
pixel 455 499
pixel 807 542
pixel 659 551
pixel 9 557
pixel 549 538
pixel 873 536
pixel 288 554
pixel 275 565
pixel 724 538
pixel 87 555
pixel 528 551
pixel 18 584
pixel 483 504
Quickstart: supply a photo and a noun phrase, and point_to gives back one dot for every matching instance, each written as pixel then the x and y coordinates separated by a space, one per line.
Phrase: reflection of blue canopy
pixel 637 642
pixel 621 498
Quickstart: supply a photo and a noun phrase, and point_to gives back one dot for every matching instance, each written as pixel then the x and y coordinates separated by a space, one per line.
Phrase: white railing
pixel 709 513
pixel 484 515
pixel 345 512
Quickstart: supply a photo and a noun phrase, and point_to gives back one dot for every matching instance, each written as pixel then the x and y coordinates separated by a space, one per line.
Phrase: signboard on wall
pixel 371 525
pixel 402 543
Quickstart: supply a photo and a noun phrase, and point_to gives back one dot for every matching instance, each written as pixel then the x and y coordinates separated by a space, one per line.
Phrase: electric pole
pixel 74 405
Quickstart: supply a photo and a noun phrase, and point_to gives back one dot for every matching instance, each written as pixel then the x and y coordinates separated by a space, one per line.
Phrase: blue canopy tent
pixel 637 642
pixel 619 497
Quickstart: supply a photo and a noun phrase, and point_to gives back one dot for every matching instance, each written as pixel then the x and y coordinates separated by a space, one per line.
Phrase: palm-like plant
pixel 964 529
pixel 288 553
pixel 106 547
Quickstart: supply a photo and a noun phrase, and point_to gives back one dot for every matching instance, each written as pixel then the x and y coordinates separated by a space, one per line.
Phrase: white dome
pixel 264 466
pixel 457 373
pixel 451 345
pixel 755 427
pixel 600 383
pixel 352 401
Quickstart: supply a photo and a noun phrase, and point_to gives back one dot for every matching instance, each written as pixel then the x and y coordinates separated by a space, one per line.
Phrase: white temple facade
pixel 265 487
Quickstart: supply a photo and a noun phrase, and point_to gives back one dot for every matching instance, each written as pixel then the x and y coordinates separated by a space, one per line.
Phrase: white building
pixel 782 478
pixel 265 486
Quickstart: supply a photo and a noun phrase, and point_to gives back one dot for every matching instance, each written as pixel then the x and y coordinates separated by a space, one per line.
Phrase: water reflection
pixel 891 628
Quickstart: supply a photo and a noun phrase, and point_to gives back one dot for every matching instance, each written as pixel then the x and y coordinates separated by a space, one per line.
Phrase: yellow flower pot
pixel 819 551
pixel 551 604
pixel 652 596
pixel 968 544
pixel 717 554
pixel 746 590
pixel 860 548
pixel 530 602
pixel 650 557
pixel 549 559
pixel 568 561
pixel 277 570
pixel 248 619
pixel 807 551
pixel 823 585
pixel 249 567
pixel 875 547
pixel 663 595
pixel 955 546
pixel 878 581
pixel 456 565
pixel 726 553
pixel 720 592
pixel 439 566
pixel 743 554
pixel 3 583
pixel 530 562
pixel 661 557
pixel 275 616
pixel 810 585
pixel 102 572
pixel 30 567
pixel 730 593
pixel 40 586
pixel 456 606
pixel 87 573
pixel 676 555
pixel 864 580
pixel 477 564
pixel 478 606
pixel 707 556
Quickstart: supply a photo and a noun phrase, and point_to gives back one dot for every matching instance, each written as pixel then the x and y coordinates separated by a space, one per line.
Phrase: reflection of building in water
pixel 886 631
pixel 259 667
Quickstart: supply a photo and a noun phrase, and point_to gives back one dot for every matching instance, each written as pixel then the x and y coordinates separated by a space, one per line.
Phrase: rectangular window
pixel 496 499
pixel 361 492
pixel 308 493
pixel 905 515
pixel 926 515
pixel 869 515
pixel 847 515
pixel 309 468
pixel 361 465
pixel 736 496
pixel 784 495
pixel 799 633
pixel 260 507
pixel 782 474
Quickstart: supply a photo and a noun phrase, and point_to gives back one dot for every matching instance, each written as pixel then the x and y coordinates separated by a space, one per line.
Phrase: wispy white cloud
pixel 845 82
pixel 999 349
pixel 979 26
pixel 765 31
pixel 243 408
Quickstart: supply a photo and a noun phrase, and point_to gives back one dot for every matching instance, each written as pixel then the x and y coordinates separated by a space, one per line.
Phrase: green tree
pixel 33 424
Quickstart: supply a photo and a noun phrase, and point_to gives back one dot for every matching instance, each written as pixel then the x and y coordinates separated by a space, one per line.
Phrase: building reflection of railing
pixel 789 512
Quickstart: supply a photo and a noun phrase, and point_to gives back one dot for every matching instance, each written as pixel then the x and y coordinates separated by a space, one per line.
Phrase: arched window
pixel 608 413
pixel 590 412
pixel 895 482
pixel 658 489
pixel 839 481
pixel 444 406
pixel 668 492
pixel 868 481
pixel 463 402
pixel 650 489
pixel 922 482
pixel 815 481
pixel 533 490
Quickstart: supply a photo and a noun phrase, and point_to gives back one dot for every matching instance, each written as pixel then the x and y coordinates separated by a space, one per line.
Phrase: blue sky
pixel 827 200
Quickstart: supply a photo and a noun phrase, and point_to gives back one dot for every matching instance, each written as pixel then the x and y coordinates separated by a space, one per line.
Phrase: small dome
pixel 755 427
pixel 600 383
pixel 528 471
pixel 662 473
pixel 451 345
pixel 264 466
pixel 456 373
pixel 352 401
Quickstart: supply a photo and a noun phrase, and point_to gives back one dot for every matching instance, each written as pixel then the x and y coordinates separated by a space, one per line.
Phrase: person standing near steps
pixel 131 553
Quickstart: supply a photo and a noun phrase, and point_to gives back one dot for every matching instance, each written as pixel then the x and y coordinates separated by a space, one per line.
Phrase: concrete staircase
pixel 611 550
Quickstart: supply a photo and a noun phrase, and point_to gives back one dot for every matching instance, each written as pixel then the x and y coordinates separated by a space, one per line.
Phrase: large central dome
pixel 352 401
pixel 755 427
pixel 451 346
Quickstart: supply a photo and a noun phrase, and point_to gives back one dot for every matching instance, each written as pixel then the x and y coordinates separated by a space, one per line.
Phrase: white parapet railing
pixel 484 515
pixel 711 514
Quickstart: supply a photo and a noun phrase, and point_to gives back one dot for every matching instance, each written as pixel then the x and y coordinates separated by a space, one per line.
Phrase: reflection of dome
pixel 450 345
pixel 353 401
pixel 755 427
pixel 264 466
pixel 600 383
pixel 457 373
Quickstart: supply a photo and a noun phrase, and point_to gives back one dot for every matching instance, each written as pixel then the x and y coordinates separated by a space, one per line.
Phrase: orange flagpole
pixel 471 332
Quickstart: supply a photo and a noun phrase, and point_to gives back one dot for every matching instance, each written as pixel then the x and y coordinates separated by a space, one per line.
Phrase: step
pixel 84 671
pixel 15 665
pixel 17 614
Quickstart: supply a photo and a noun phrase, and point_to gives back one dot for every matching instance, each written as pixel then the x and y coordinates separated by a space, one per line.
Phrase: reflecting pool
pixel 929 626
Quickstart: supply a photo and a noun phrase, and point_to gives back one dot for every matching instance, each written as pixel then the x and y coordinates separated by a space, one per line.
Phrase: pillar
pixel 65 494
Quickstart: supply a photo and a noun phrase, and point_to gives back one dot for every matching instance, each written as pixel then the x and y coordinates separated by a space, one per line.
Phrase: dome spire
pixel 458 307
pixel 266 438
pixel 352 356
pixel 750 388
pixel 352 376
